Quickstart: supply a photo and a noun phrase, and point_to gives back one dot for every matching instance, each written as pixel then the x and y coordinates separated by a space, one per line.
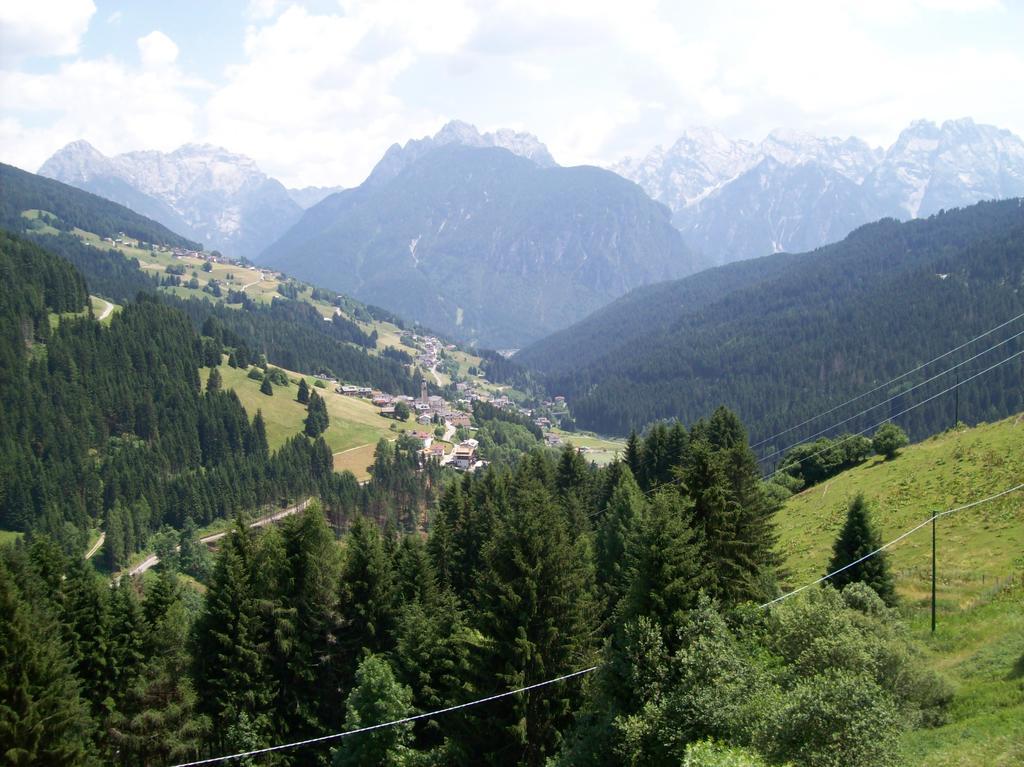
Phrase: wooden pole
pixel 933 574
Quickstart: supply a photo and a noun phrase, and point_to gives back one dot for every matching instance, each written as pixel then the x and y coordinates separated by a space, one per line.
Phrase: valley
pixel 337 431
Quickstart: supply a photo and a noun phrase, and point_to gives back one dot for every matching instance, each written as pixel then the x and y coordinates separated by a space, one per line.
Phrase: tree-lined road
pixel 152 560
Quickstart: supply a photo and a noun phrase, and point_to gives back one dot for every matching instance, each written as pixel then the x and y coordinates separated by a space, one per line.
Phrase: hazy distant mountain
pixel 399 157
pixel 211 195
pixel 735 200
pixel 309 196
pixel 930 167
pixel 479 243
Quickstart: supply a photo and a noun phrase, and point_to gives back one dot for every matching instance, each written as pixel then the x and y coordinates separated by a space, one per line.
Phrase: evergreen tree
pixel 43 719
pixel 157 722
pixel 574 486
pixel 86 619
pixel 858 538
pixel 316 417
pixel 214 382
pixel 306 627
pixel 377 697
pixel 303 394
pixel 266 387
pixel 127 638
pixel 259 432
pixel 367 595
pixel 230 651
pixel 632 454
pixel 614 533
pixel 535 596
pixel 664 564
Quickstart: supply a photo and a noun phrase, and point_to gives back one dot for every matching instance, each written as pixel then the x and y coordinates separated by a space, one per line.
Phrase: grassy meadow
pixel 979 641
pixel 354 422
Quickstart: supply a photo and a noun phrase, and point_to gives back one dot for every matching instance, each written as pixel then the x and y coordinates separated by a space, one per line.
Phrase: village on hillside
pixel 454 417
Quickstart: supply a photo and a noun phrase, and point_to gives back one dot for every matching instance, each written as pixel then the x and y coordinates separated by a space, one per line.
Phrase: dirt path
pixel 106 311
pixel 254 282
pixel 96 546
pixel 153 559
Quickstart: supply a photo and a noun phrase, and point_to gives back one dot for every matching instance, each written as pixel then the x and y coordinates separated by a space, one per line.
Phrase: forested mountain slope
pixel 484 245
pixel 785 337
pixel 290 333
pixel 21 191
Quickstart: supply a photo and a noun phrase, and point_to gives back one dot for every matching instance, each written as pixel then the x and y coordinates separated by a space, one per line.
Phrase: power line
pixel 393 723
pixel 766 477
pixel 581 672
pixel 895 540
pixel 887 383
pixel 894 397
pixel 847 438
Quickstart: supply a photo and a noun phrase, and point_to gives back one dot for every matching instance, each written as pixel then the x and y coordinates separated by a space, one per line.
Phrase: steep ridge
pixel 484 245
pixel 783 337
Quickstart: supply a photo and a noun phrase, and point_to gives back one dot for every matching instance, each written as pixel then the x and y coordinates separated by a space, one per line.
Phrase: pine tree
pixel 86 620
pixel 732 510
pixel 259 434
pixel 377 697
pixel 43 719
pixel 574 485
pixel 615 530
pixel 536 611
pixel 664 564
pixel 303 395
pixel 306 627
pixel 316 418
pixel 158 722
pixel 127 648
pixel 266 387
pixel 632 454
pixel 214 382
pixel 858 538
pixel 367 595
pixel 230 652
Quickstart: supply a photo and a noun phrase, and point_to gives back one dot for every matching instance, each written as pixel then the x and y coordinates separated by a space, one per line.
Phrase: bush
pixel 708 753
pixel 889 439
pixel 837 719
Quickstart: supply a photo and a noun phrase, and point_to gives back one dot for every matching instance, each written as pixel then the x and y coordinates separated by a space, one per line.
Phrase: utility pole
pixel 933 573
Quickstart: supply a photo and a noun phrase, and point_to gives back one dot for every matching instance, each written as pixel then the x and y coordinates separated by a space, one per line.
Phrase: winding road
pixel 152 560
pixel 106 311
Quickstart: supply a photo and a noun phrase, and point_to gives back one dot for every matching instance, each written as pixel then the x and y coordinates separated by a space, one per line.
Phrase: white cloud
pixel 314 100
pixel 157 50
pixel 316 97
pixel 102 101
pixel 43 27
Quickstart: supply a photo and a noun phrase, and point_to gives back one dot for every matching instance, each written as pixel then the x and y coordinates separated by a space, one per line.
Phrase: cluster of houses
pixel 428 410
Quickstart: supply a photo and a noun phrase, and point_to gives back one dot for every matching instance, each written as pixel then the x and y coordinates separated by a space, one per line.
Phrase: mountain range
pixel 502 252
pixel 203 192
pixel 481 243
pixel 734 199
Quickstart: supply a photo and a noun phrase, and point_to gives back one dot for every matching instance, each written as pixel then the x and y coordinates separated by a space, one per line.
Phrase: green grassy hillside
pixel 355 425
pixel 976 548
pixel 979 642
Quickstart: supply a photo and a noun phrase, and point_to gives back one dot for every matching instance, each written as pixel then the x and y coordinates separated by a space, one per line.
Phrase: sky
pixel 316 91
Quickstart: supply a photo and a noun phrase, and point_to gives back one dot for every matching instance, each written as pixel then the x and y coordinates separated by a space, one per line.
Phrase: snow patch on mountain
pixel 727 196
pixel 220 197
